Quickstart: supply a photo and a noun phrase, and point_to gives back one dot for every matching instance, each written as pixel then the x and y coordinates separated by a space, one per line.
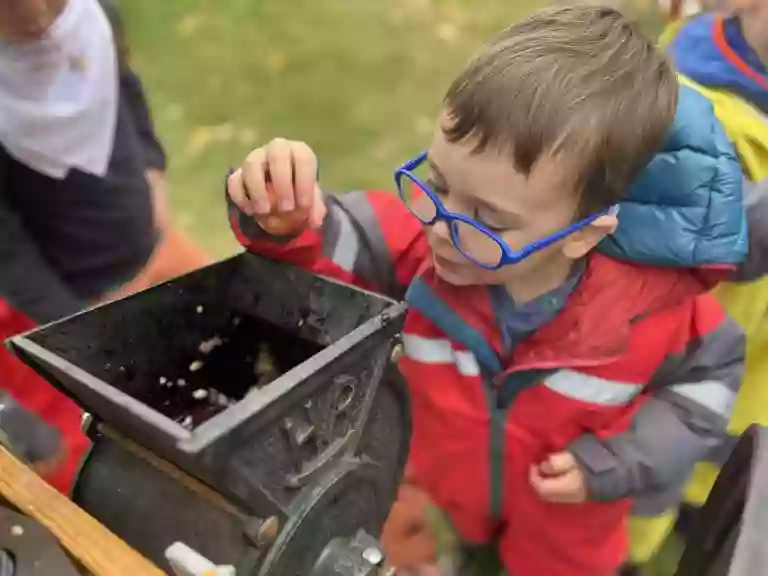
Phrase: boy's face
pixel 756 12
pixel 520 209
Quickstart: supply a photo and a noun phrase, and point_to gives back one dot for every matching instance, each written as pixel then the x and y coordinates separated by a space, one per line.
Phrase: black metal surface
pixel 151 509
pixel 340 400
pixel 728 537
pixel 358 556
pixel 34 551
pixel 344 501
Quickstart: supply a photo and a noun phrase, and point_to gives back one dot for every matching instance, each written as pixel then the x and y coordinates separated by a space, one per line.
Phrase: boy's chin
pixel 457 277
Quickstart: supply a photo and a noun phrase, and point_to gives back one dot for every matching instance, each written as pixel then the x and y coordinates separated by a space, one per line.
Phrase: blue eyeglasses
pixel 474 240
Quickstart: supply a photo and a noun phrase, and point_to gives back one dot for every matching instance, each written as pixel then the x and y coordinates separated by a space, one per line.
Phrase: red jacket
pixel 38 396
pixel 635 376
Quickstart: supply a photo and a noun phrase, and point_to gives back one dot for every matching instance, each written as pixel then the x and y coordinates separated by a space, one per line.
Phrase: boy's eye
pixel 492 228
pixel 436 187
pixel 490 222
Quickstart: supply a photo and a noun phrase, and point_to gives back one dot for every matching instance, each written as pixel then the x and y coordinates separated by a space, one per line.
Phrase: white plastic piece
pixel 186 562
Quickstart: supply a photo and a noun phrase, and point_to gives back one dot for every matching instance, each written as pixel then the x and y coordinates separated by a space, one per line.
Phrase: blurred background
pixel 359 80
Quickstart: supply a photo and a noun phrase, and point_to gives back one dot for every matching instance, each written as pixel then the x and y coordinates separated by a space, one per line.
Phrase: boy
pixel 724 56
pixel 79 223
pixel 550 384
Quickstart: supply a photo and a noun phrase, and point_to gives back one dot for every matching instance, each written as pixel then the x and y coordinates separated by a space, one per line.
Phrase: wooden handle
pixel 96 548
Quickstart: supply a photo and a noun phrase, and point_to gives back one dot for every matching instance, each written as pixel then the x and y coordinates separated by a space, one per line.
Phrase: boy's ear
pixel 578 244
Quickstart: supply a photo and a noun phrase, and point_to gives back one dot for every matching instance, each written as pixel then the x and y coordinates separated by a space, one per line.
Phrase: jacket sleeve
pixel 132 91
pixel 27 282
pixel 369 239
pixel 756 201
pixel 683 418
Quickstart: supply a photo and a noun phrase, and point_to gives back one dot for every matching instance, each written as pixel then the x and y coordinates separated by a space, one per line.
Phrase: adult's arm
pixel 133 93
pixel 27 282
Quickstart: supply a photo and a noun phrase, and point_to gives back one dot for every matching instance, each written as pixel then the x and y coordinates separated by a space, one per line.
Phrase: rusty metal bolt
pixel 269 531
pixel 260 532
pixel 85 422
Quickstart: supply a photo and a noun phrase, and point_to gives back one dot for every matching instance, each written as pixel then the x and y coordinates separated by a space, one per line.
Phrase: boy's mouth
pixel 446 263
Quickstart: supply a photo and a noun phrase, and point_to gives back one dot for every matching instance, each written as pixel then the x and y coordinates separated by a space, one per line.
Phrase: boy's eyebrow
pixel 435 169
pixel 511 217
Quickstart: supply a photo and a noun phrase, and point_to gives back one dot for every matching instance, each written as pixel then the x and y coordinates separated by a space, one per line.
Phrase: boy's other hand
pixel 559 479
pixel 277 185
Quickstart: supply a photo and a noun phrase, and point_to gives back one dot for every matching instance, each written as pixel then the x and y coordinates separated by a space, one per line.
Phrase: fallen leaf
pixel 447 31
pixel 247 136
pixel 174 112
pixel 189 24
pixel 200 139
pixel 203 137
pixel 383 148
pixel 275 62
pixel 424 125
pixel 411 9
pixel 224 132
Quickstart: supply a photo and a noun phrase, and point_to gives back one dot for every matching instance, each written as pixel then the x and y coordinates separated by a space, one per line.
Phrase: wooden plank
pixel 96 548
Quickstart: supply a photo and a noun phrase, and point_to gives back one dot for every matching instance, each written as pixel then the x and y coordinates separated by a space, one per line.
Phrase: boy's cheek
pixel 514 271
pixel 742 4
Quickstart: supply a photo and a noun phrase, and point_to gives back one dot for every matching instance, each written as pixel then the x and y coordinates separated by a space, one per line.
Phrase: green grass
pixel 360 81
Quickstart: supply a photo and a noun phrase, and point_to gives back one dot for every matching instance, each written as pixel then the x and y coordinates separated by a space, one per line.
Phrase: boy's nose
pixel 440 230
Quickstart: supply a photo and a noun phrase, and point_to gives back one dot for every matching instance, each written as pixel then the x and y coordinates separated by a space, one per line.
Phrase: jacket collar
pixel 593 327
pixel 704 51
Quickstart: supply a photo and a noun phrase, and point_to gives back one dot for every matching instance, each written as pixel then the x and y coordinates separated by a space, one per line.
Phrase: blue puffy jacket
pixel 692 190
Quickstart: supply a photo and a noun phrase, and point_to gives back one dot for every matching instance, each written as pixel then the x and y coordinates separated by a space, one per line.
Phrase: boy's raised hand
pixel 559 479
pixel 277 185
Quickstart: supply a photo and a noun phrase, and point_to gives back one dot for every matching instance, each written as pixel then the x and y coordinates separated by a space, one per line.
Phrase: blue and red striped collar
pixel 711 50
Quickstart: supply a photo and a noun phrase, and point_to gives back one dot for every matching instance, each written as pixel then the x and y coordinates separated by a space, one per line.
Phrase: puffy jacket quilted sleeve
pixel 369 239
pixel 683 418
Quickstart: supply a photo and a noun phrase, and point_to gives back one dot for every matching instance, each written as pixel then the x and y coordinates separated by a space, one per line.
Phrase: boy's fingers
pixel 280 162
pixel 253 182
pixel 536 479
pixel 304 174
pixel 236 192
pixel 419 571
pixel 558 463
pixel 318 209
pixel 562 489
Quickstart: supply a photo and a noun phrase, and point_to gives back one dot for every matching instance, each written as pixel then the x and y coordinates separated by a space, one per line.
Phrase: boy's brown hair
pixel 581 84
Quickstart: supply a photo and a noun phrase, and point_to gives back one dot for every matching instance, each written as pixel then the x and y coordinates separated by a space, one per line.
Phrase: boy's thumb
pixel 318 210
pixel 559 463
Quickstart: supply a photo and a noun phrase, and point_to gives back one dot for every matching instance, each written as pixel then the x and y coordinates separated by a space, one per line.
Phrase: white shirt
pixel 59 94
